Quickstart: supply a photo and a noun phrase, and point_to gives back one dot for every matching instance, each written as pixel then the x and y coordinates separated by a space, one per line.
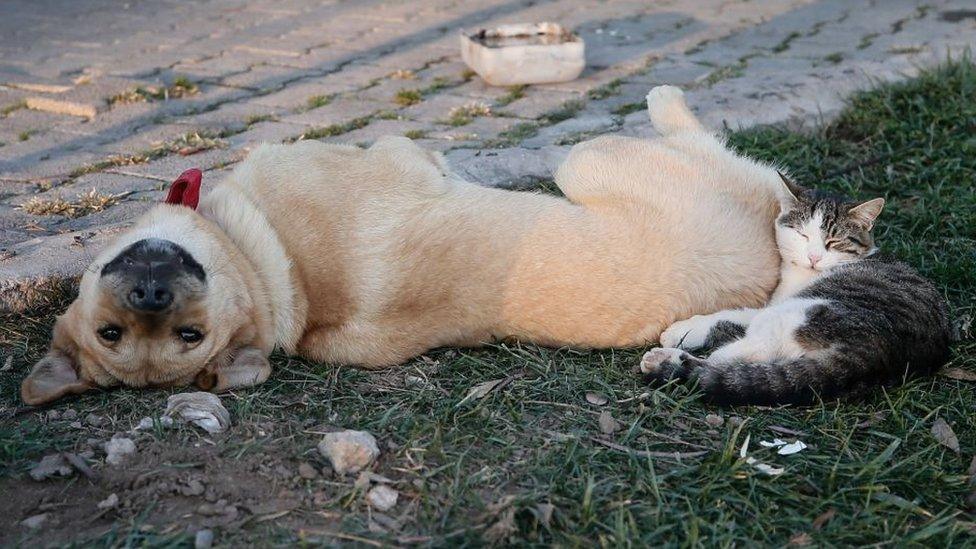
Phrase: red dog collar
pixel 185 191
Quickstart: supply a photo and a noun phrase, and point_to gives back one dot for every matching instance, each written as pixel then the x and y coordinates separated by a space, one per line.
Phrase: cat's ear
pixel 793 190
pixel 866 212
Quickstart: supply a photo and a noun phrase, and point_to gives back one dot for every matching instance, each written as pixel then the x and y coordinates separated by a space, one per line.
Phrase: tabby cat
pixel 842 320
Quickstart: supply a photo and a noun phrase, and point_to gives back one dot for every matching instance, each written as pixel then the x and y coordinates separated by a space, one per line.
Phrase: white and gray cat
pixel 842 320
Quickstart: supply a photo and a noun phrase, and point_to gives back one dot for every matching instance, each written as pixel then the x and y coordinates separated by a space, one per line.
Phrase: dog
pixel 369 257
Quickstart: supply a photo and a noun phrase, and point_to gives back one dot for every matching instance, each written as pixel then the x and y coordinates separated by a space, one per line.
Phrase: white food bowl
pixel 524 54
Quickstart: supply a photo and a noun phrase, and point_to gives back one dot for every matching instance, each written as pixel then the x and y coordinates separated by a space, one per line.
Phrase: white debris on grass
pixel 785 448
pixel 382 497
pixel 762 467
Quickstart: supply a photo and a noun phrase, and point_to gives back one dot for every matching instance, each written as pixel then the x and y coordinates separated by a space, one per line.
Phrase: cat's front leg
pixel 711 331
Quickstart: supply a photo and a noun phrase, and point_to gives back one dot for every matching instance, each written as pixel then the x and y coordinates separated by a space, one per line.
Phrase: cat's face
pixel 820 231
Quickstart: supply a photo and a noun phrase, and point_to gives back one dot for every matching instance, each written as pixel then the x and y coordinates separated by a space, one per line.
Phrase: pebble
pixel 714 420
pixel 49 466
pixel 94 421
pixel 69 415
pixel 35 521
pixel 203 539
pixel 110 502
pixel 349 451
pixel 118 449
pixel 193 488
pixel 307 472
pixel 382 497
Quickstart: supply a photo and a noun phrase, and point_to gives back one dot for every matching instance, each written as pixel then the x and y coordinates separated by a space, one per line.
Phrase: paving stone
pixel 339 111
pixel 379 128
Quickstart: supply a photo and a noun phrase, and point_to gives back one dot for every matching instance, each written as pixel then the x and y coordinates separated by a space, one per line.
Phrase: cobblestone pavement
pixel 103 103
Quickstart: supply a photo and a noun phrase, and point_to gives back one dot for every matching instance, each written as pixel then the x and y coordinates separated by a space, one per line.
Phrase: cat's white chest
pixel 792 281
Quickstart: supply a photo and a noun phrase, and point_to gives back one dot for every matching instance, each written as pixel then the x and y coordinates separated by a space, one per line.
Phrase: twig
pixel 647 453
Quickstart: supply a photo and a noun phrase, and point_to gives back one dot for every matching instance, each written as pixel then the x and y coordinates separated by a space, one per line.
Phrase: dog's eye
pixel 190 335
pixel 110 333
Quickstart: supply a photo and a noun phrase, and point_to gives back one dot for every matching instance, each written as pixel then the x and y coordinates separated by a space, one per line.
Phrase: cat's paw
pixel 688 334
pixel 660 366
pixel 657 359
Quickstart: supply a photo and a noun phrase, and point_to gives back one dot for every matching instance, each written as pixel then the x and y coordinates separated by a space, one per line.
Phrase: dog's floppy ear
pixel 234 369
pixel 55 375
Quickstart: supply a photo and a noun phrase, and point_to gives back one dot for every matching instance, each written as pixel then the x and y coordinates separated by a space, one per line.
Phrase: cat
pixel 842 320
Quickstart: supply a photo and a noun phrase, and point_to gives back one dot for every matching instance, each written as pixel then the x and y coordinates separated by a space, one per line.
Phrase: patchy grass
pixel 336 129
pixel 90 202
pixel 609 89
pixel 527 464
pixel 317 101
pixel 463 115
pixel 514 94
pixel 415 134
pixel 185 145
pixel 406 97
pixel 179 88
pixel 7 109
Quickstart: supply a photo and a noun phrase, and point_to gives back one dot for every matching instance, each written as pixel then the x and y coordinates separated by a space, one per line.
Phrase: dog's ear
pixel 56 375
pixel 234 369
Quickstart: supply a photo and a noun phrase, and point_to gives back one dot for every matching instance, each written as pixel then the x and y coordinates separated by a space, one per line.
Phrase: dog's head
pixel 170 302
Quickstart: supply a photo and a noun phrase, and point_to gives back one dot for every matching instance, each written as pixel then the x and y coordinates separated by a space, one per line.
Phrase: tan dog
pixel 370 257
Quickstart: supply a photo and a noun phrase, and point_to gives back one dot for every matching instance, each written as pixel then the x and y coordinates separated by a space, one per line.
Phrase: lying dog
pixel 370 257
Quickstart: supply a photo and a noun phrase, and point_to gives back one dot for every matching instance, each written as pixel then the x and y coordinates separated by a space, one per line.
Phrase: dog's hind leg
pixel 669 113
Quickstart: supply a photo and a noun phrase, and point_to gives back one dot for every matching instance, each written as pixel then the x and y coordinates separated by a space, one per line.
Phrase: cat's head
pixel 819 230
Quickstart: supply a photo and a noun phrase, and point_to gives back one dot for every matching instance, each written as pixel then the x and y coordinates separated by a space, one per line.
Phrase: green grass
pixel 490 468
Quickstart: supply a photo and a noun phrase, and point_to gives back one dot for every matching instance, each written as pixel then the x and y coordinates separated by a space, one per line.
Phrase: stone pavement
pixel 102 103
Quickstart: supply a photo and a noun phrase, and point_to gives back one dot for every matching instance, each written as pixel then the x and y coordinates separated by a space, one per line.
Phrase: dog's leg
pixel 669 113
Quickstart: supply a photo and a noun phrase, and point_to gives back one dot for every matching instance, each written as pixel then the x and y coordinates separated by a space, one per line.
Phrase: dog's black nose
pixel 150 295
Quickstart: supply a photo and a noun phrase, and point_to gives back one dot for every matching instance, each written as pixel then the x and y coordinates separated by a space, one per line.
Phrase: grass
pixel 185 145
pixel 523 464
pixel 87 203
pixel 463 115
pixel 179 88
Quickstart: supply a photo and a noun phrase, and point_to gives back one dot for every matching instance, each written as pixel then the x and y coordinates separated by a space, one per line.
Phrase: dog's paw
pixel 664 98
pixel 688 334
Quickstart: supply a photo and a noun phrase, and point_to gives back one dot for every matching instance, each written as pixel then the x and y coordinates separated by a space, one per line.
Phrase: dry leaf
pixel 608 425
pixel 958 373
pixel 597 399
pixel 944 434
pixel 481 390
pixel 801 540
pixel 714 420
pixel 824 518
pixel 503 528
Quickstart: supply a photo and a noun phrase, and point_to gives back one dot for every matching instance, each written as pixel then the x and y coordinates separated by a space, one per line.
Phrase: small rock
pixel 735 421
pixel 382 497
pixel 75 425
pixel 597 399
pixel 714 420
pixel 49 466
pixel 608 425
pixel 110 502
pixel 307 472
pixel 69 415
pixel 201 408
pixel 118 449
pixel 94 421
pixel 203 539
pixel 148 423
pixel 35 521
pixel 349 451
pixel 53 415
pixel 193 488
